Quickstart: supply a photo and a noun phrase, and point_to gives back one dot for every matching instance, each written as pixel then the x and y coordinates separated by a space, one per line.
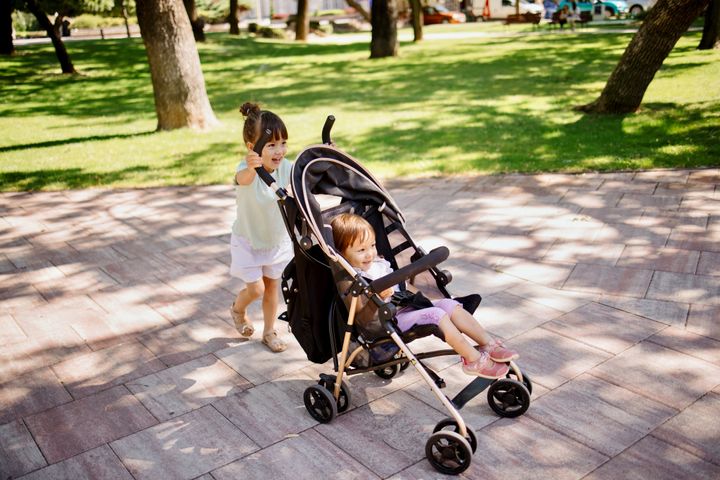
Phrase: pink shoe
pixel 498 352
pixel 484 367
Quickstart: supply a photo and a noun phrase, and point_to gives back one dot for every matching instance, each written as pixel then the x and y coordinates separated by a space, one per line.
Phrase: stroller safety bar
pixel 426 262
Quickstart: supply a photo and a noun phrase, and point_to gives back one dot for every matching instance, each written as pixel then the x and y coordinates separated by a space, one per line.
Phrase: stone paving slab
pixel 308 455
pixel 187 387
pixel 75 427
pixel 691 430
pixel 184 447
pixel 653 458
pixel 673 378
pixel 603 327
pixel 598 414
pixel 100 462
pixel 118 358
pixel 18 451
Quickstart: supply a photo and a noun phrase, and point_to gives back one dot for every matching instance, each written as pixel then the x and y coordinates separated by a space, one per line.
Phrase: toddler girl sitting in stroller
pixel 354 238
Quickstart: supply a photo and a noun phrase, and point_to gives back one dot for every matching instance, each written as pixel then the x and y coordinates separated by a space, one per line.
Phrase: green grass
pixel 455 106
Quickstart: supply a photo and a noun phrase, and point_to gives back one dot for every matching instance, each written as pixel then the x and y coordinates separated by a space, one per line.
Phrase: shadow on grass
pixel 486 89
pixel 67 141
pixel 64 178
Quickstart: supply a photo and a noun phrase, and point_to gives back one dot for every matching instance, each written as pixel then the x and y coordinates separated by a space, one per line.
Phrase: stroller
pixel 329 305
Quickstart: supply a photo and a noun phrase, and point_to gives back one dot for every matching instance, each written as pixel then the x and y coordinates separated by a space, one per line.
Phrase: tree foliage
pixel 68 8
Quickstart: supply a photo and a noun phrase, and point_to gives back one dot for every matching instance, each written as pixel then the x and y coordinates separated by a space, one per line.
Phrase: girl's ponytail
pixel 257 120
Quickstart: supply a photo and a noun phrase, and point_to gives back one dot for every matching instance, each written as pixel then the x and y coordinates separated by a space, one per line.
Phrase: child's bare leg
pixel 245 297
pixel 270 307
pixel 467 324
pixel 456 340
pixel 270 303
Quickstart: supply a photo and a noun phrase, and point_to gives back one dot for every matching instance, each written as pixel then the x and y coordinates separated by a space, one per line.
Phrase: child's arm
pixel 247 175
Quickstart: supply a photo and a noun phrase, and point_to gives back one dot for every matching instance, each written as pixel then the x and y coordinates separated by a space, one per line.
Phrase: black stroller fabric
pixel 306 307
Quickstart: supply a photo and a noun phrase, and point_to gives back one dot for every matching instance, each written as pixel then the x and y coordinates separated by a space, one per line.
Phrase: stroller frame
pixel 449 451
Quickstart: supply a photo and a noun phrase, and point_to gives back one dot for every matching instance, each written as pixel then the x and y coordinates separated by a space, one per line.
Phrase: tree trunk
pixel 196 23
pixel 7 47
pixel 233 18
pixel 384 41
pixel 178 83
pixel 645 54
pixel 302 21
pixel 125 17
pixel 417 21
pixel 60 51
pixel 711 29
pixel 359 8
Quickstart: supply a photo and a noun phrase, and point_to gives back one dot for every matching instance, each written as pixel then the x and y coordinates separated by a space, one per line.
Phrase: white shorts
pixel 250 264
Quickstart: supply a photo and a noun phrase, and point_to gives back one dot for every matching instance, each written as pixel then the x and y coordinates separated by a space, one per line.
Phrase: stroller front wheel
pixel 508 398
pixel 449 424
pixel 320 403
pixel 525 379
pixel 448 452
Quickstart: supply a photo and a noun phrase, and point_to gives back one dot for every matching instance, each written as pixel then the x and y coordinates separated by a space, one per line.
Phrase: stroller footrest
pixel 472 390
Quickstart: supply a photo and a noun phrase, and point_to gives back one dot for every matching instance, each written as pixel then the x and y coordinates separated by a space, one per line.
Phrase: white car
pixel 636 7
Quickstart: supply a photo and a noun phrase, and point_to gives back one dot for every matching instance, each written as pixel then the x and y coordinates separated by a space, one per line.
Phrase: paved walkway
pixel 118 358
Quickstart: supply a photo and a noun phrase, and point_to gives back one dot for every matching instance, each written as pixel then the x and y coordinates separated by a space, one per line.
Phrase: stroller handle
pixel 426 262
pixel 329 121
pixel 258 148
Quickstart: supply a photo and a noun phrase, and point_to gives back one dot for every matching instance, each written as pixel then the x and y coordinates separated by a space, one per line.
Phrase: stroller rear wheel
pixel 508 398
pixel 320 403
pixel 449 424
pixel 448 452
pixel 343 402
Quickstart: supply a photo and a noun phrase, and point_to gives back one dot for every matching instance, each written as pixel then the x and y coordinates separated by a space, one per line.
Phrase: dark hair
pixel 257 121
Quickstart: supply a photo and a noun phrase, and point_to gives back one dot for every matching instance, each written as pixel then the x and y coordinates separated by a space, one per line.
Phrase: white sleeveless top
pixel 258 218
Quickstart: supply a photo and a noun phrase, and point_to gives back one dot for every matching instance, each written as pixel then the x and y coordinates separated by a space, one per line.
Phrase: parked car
pixel 500 9
pixel 438 14
pixel 610 8
pixel 639 6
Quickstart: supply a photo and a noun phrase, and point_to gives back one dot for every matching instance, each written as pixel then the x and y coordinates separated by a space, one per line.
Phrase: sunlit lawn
pixel 453 106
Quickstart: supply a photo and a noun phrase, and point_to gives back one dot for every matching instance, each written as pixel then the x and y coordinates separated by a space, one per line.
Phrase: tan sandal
pixel 242 322
pixel 273 342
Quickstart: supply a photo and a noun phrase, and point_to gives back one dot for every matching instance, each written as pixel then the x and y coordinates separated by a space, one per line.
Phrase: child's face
pixel 273 153
pixel 361 253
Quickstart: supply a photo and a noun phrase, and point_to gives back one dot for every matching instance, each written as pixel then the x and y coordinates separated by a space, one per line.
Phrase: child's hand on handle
pixel 253 160
pixel 387 293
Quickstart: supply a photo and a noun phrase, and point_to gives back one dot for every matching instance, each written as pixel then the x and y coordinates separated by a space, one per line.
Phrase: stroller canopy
pixel 325 170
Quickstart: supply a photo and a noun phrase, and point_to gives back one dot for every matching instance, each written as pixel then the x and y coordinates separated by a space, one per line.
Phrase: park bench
pixel 533 18
pixel 585 18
